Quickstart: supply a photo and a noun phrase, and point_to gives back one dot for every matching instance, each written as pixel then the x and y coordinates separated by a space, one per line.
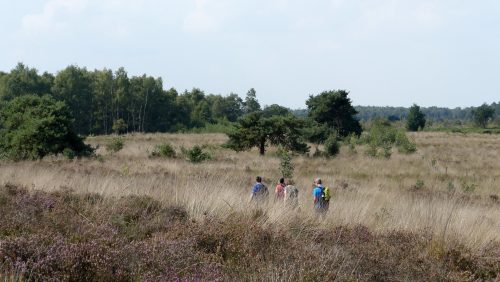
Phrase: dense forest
pixel 106 101
pixel 100 99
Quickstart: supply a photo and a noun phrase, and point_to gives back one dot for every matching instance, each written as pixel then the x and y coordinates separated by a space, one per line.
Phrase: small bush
pixel 351 141
pixel 419 185
pixel 119 126
pixel 163 150
pixel 404 145
pixel 115 145
pixel 69 153
pixel 286 165
pixel 468 187
pixel 196 154
pixel 331 146
pixel 387 151
pixel 371 151
pixel 99 158
pixel 382 136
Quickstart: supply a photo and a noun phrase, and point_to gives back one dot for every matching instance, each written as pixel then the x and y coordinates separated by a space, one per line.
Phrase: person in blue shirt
pixel 318 196
pixel 259 190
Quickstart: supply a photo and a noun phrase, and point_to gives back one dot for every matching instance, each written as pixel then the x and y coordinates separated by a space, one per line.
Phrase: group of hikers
pixel 287 193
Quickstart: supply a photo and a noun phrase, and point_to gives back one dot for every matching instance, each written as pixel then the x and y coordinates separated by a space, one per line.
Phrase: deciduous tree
pixel 251 103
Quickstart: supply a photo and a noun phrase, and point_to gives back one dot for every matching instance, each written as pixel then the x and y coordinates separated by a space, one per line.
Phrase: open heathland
pixel 133 214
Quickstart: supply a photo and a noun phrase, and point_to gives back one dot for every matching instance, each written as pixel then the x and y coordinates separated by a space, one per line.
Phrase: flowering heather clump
pixel 66 236
pixel 39 248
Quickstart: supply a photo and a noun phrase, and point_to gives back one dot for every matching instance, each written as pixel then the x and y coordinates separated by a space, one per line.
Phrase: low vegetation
pixel 431 215
pixel 195 154
pixel 164 150
pixel 115 144
pixel 66 236
pixel 380 139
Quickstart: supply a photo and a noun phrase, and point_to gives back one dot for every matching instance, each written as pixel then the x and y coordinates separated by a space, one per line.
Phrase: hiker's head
pixel 317 181
pixel 289 182
pixel 282 180
pixel 258 179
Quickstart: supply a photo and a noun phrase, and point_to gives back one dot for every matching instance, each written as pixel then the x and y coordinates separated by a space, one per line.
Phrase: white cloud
pixel 48 19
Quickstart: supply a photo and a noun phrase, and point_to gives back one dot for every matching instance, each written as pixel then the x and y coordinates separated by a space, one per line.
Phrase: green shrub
pixel 331 146
pixel 419 184
pixel 372 150
pixel 195 154
pixel 382 133
pixel 68 153
pixel 286 165
pixel 404 145
pixel 382 136
pixel 115 145
pixel 468 187
pixel 119 126
pixel 99 158
pixel 387 151
pixel 351 141
pixel 163 150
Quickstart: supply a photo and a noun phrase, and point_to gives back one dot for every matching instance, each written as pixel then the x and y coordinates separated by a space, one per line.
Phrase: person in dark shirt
pixel 259 190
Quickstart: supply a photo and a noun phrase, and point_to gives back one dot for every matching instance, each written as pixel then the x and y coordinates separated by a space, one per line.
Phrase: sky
pixel 385 52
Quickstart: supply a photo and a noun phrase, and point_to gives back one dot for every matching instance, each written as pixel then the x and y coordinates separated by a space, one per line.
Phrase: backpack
pixel 262 191
pixel 325 194
pixel 265 191
pixel 293 192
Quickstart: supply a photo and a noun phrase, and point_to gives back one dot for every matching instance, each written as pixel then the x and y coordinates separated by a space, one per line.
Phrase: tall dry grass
pixel 456 203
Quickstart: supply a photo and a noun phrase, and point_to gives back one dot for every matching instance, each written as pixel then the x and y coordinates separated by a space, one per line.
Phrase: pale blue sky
pixel 385 52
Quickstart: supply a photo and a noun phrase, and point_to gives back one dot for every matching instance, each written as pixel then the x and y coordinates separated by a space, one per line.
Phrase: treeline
pixel 401 113
pixel 106 101
pixel 435 114
pixel 103 101
pixel 432 113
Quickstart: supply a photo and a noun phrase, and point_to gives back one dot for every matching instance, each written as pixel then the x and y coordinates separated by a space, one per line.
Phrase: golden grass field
pixel 458 203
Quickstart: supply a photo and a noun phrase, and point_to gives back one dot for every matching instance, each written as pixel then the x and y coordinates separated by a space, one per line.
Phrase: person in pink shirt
pixel 280 190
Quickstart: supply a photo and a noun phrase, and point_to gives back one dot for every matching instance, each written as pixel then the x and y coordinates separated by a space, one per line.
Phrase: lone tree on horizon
pixel 416 119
